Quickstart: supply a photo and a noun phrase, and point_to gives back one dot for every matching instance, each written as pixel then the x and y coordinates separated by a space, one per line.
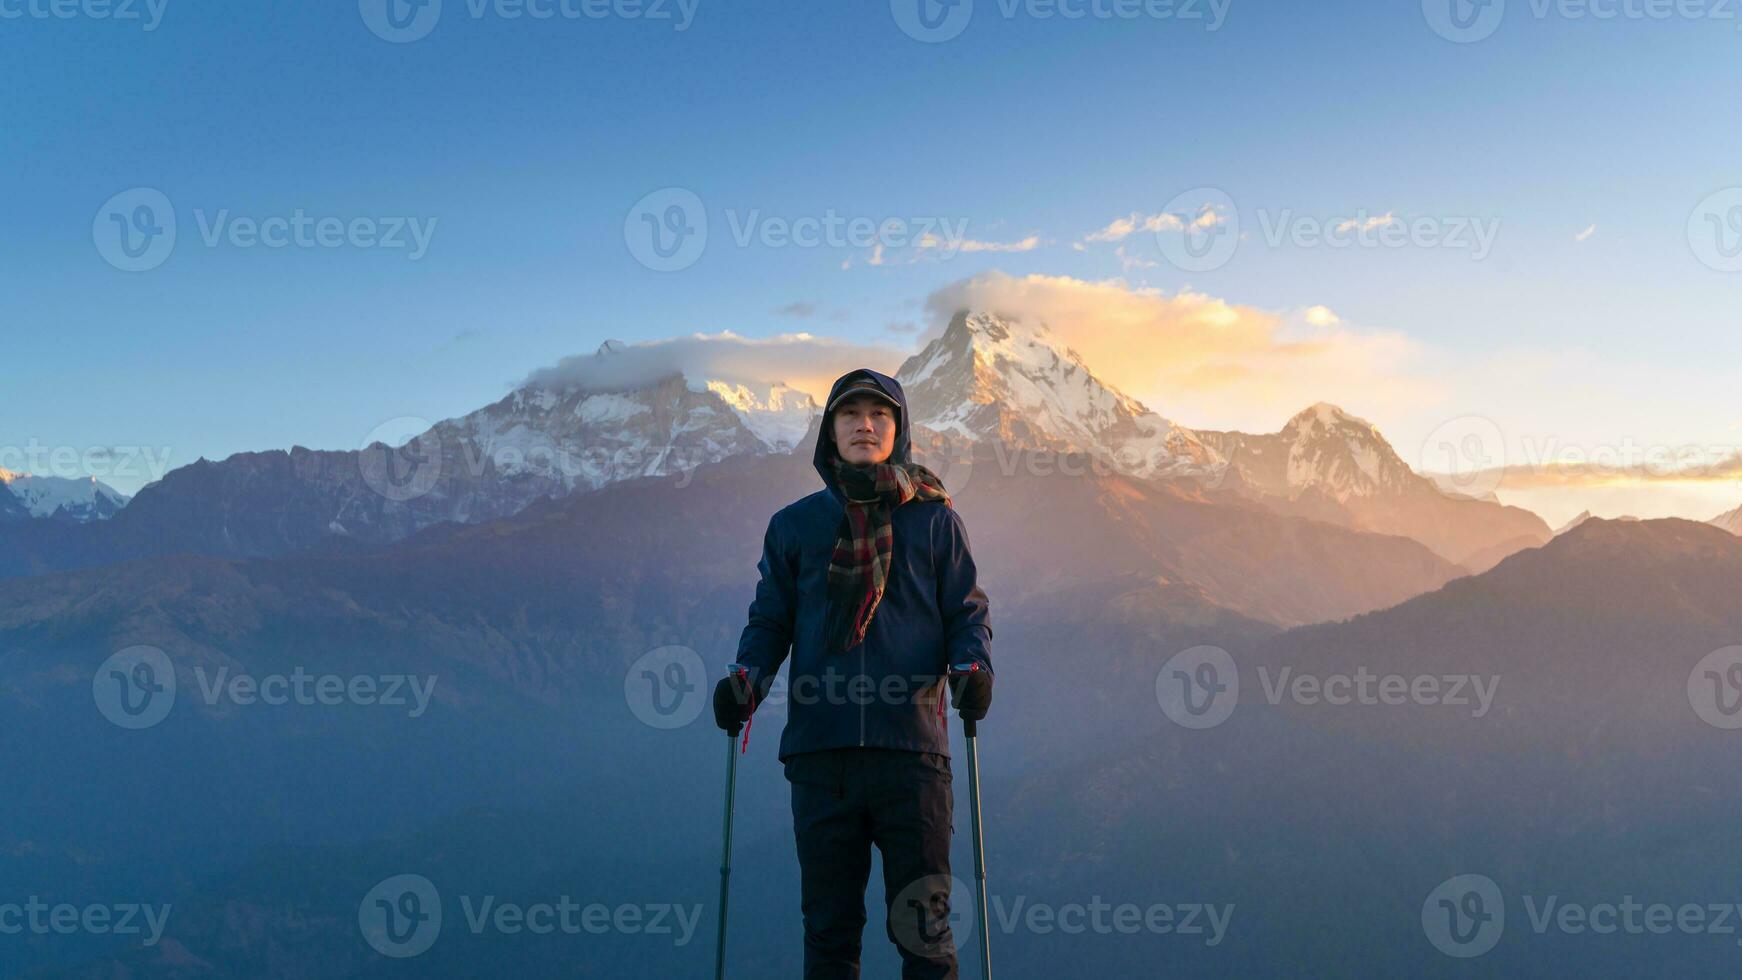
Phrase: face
pixel 865 430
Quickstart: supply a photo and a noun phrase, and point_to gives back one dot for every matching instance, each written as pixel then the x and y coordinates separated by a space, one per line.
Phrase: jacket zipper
pixel 861 704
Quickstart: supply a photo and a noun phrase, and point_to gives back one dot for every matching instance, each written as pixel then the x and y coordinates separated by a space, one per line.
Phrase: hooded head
pixel 827 453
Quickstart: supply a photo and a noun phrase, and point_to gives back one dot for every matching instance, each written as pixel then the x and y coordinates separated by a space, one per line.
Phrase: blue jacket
pixel 885 691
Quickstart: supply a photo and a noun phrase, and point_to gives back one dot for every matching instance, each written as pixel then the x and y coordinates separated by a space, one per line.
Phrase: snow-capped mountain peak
pixel 1322 448
pixel 64 498
pixel 992 378
pixel 779 415
pixel 1342 454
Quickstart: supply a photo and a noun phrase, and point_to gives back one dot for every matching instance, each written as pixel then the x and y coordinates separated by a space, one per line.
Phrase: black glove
pixel 971 691
pixel 733 703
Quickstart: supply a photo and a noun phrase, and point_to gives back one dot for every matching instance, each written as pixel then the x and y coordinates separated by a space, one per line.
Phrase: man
pixel 871 584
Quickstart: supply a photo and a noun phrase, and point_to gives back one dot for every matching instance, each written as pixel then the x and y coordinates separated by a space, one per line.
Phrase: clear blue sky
pixel 528 141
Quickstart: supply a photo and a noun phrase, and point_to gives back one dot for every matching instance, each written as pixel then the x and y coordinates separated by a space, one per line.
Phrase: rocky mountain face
pixel 1333 466
pixel 536 442
pixel 1730 520
pixel 1007 383
pixel 990 386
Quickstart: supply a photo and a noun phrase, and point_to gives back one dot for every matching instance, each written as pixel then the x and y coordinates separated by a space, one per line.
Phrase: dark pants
pixel 843 802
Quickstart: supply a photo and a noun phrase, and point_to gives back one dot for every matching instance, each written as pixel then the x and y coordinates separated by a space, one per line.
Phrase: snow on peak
pixel 1002 379
pixel 80 499
pixel 777 414
pixel 1327 414
pixel 1341 454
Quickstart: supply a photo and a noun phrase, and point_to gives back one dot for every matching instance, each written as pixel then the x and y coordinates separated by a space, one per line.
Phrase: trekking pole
pixel 742 673
pixel 969 732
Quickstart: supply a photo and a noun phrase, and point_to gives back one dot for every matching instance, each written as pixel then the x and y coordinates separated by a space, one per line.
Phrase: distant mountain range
pixel 530 587
pixel 1589 777
pixel 990 385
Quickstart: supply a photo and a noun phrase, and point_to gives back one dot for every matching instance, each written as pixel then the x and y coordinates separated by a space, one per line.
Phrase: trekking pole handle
pixel 739 674
pixel 958 671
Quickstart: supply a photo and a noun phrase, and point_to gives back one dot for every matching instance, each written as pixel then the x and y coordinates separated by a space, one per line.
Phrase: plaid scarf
pixel 860 566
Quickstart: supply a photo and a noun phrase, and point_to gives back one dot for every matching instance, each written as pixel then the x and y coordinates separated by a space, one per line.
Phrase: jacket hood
pixel 825 452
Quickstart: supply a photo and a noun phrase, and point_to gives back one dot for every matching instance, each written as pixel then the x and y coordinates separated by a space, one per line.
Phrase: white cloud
pixel 931 242
pixel 1587 233
pixel 1128 261
pixel 805 361
pixel 1363 223
pixel 1201 360
pixel 1120 229
pixel 1322 316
